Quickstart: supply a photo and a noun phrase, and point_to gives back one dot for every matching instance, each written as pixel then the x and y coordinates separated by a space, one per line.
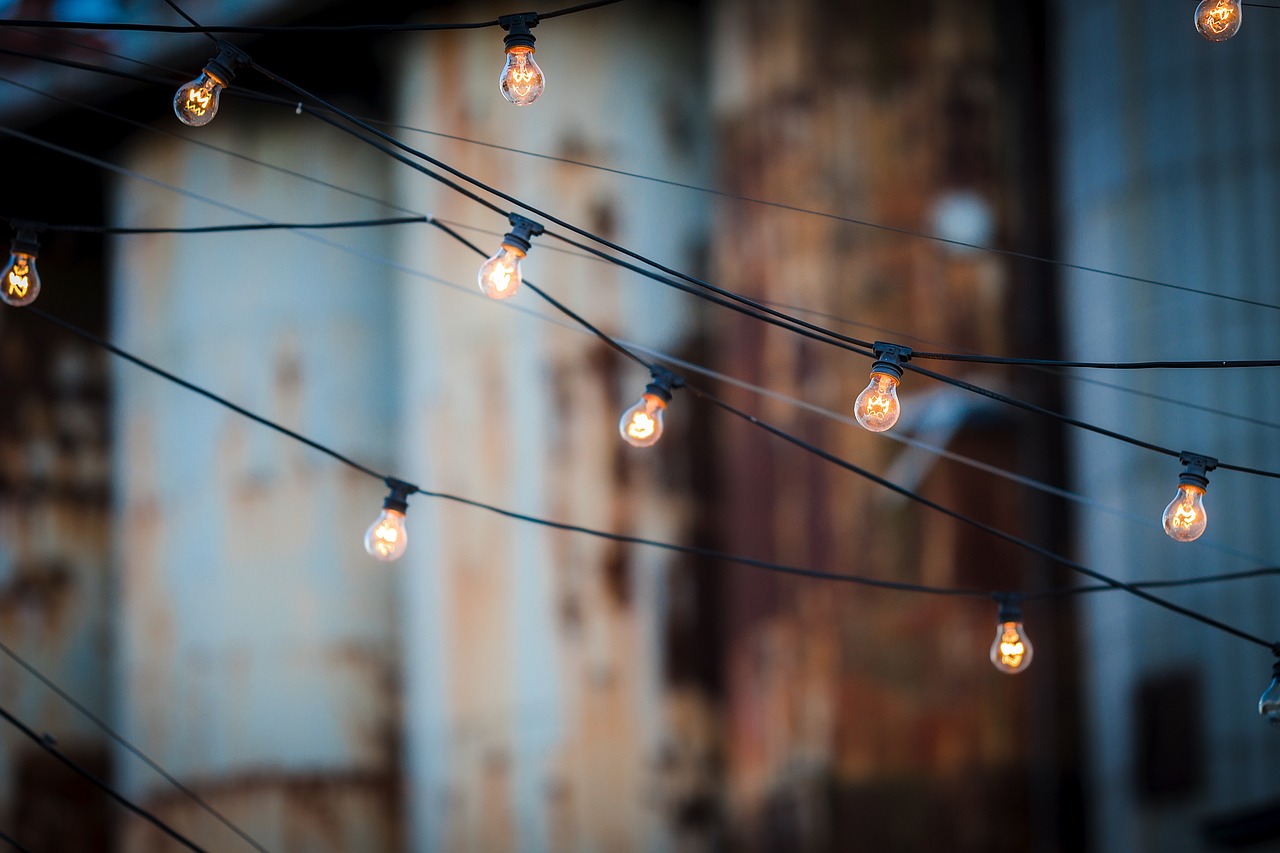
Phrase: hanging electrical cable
pixel 336 29
pixel 48 744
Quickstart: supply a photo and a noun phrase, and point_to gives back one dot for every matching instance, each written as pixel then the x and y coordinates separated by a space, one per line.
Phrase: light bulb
pixel 641 425
pixel 1218 20
pixel 500 275
pixel 1269 704
pixel 522 80
pixel 19 281
pixel 196 103
pixel 877 406
pixel 387 538
pixel 1184 518
pixel 1011 650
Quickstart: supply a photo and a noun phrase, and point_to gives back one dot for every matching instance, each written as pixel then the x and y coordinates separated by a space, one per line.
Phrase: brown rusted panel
pixel 850 713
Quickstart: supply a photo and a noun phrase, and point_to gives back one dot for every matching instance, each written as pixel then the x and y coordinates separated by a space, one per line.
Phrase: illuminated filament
pixel 522 80
pixel 500 275
pixel 1011 651
pixel 1012 648
pixel 1218 20
pixel 18 282
pixel 1185 518
pixel 387 538
pixel 641 425
pixel 877 407
pixel 200 99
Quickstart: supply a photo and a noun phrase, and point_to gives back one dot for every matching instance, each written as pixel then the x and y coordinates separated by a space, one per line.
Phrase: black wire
pixel 1168 584
pixel 569 10
pixel 949 380
pixel 254 226
pixel 565 224
pixel 640 271
pixel 832 338
pixel 120 739
pixel 75 44
pixel 815 332
pixel 593 251
pixel 716 555
pixel 979 525
pixel 190 20
pixel 1133 589
pixel 341 29
pixel 836 217
pixel 907 493
pixel 191 386
pixel 559 306
pixel 1098 365
pixel 315 445
pixel 46 743
pixel 958 383
pixel 84 66
pixel 13 842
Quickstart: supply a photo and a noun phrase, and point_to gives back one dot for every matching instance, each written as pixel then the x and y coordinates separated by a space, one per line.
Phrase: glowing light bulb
pixel 1011 650
pixel 499 276
pixel 19 280
pixel 1185 518
pixel 387 538
pixel 877 408
pixel 1218 20
pixel 196 103
pixel 641 425
pixel 522 80
pixel 1269 704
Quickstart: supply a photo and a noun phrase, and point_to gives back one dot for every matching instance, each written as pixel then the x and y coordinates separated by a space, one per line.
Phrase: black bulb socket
pixel 1010 609
pixel 1195 467
pixel 664 382
pixel 26 239
pixel 889 358
pixel 224 65
pixel 398 500
pixel 518 29
pixel 522 230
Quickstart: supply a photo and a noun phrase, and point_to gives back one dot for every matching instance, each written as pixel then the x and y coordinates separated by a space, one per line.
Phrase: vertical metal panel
pixel 257 641
pixel 535 697
pixel 1169 172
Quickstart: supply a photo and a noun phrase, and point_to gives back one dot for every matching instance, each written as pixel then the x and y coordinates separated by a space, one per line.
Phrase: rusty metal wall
pixel 862 719
pixel 256 641
pixel 535 705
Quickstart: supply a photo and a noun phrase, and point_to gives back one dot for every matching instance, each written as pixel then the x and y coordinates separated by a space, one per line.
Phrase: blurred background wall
pixel 197 581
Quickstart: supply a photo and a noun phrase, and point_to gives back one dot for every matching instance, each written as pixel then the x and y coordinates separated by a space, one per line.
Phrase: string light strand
pixel 47 744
